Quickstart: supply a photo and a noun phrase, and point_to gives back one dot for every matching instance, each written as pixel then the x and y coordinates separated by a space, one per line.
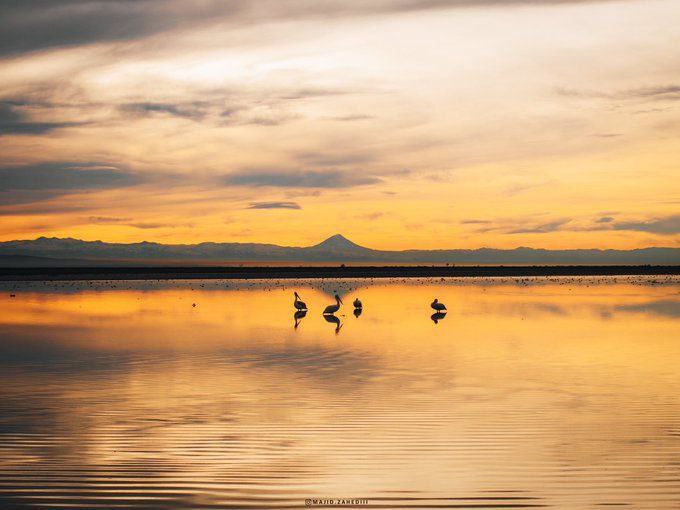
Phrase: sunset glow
pixel 401 124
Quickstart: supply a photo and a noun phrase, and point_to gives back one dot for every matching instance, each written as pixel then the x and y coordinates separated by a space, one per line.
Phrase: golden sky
pixel 400 124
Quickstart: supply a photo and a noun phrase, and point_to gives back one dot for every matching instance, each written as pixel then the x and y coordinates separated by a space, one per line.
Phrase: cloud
pixel 658 92
pixel 475 222
pixel 544 228
pixel 326 159
pixel 43 181
pixel 352 117
pixel 150 225
pixel 669 92
pixel 664 226
pixel 38 25
pixel 14 121
pixel 128 222
pixel 107 219
pixel 300 179
pixel 194 110
pixel 274 205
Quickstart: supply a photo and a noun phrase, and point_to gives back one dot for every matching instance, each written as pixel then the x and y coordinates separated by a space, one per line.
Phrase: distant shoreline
pixel 290 272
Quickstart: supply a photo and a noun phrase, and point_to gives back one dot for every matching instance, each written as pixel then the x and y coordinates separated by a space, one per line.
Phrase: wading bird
pixel 331 309
pixel 437 306
pixel 300 305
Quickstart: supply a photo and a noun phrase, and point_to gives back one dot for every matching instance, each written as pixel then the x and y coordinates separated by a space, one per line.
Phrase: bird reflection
pixel 437 316
pixel 298 316
pixel 333 319
pixel 357 311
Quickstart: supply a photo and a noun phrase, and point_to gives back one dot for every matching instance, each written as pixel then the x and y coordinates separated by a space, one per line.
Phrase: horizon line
pixel 345 238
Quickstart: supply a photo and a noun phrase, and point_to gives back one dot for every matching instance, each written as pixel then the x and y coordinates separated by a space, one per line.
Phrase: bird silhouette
pixel 300 305
pixel 437 306
pixel 331 309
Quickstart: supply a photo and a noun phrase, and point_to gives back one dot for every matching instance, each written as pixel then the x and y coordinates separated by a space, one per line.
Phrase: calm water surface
pixel 557 393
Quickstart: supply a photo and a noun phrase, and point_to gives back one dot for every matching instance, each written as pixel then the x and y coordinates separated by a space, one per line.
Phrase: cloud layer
pixel 274 205
pixel 36 25
pixel 403 122
pixel 300 179
pixel 43 181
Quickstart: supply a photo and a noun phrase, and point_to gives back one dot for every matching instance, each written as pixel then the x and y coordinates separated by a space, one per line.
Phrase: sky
pixel 398 123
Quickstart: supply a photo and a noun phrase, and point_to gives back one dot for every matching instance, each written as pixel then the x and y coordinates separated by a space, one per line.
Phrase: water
pixel 557 393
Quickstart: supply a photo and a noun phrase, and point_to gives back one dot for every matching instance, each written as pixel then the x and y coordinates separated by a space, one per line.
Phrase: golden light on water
pixel 557 392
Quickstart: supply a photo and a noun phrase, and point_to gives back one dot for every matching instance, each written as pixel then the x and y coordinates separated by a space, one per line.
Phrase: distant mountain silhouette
pixel 340 244
pixel 336 249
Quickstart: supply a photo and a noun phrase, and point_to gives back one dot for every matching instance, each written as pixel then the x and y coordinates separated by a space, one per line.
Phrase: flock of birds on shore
pixel 329 312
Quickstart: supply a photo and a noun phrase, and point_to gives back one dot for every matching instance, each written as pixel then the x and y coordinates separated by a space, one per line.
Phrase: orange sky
pixel 399 124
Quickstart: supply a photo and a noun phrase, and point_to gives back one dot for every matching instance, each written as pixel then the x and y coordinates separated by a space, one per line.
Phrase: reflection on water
pixel 333 320
pixel 298 316
pixel 531 393
pixel 438 316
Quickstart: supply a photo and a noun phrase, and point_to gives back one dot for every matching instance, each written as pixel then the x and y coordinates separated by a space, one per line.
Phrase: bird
pixel 331 309
pixel 300 305
pixel 437 306
pixel 357 303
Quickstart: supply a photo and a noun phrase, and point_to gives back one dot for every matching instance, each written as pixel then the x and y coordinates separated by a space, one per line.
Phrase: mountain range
pixel 54 251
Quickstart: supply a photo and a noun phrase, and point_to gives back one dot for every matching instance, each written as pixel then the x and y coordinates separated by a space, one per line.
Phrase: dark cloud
pixel 353 118
pixel 14 121
pixel 326 159
pixel 309 93
pixel 655 92
pixel 475 222
pixel 274 205
pixel 35 25
pixel 270 120
pixel 43 181
pixel 659 92
pixel 665 226
pixel 128 222
pixel 194 111
pixel 26 203
pixel 544 228
pixel 150 225
pixel 107 219
pixel 301 179
pixel 63 176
